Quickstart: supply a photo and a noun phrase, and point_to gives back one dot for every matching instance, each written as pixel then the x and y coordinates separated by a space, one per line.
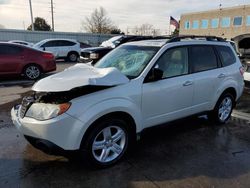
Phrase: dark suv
pixel 95 53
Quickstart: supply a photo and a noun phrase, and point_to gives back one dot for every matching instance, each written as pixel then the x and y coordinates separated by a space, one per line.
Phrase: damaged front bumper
pixel 63 131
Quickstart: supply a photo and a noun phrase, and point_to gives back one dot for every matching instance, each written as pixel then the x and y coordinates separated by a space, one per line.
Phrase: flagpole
pixel 169 29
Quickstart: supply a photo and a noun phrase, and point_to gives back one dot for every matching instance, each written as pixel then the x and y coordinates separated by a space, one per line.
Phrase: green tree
pixel 40 24
pixel 116 30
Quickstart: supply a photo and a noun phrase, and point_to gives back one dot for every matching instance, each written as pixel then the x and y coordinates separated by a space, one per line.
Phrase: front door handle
pixel 221 75
pixel 188 83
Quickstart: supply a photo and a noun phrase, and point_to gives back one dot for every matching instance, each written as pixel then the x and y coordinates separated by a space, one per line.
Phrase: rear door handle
pixel 222 75
pixel 188 83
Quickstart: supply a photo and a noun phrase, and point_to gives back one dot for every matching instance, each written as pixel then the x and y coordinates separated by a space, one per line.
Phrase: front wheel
pixel 107 143
pixel 223 109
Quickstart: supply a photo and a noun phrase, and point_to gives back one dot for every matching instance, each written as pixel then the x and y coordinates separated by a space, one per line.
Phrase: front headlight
pixel 43 111
pixel 94 56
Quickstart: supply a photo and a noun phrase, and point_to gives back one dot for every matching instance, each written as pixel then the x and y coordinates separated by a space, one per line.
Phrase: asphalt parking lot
pixel 188 153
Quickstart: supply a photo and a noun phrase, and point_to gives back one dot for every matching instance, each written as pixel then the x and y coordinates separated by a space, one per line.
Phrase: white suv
pixel 61 48
pixel 99 110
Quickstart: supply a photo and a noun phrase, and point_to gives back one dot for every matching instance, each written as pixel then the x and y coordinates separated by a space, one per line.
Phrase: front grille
pixel 26 103
pixel 85 54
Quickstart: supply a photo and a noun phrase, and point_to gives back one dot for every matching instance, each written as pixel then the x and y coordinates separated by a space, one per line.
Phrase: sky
pixel 126 14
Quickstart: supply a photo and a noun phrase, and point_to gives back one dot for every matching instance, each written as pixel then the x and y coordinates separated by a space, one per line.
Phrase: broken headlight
pixel 45 111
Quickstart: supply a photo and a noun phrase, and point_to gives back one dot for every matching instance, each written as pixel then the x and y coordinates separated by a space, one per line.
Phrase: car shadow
pixel 184 149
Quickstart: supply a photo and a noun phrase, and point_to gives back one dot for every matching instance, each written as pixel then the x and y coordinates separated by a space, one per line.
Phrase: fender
pixel 105 107
pixel 229 83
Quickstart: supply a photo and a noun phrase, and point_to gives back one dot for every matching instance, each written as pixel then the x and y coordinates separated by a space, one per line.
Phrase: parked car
pixel 95 53
pixel 22 42
pixel 84 45
pixel 18 59
pixel 98 110
pixel 62 48
pixel 246 66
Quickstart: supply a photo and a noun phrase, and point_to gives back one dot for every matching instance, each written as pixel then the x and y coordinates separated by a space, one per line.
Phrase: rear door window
pixel 226 55
pixel 10 50
pixel 66 43
pixel 202 58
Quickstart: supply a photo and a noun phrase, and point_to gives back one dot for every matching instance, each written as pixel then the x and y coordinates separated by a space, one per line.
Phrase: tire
pixel 72 57
pixel 106 144
pixel 32 72
pixel 223 109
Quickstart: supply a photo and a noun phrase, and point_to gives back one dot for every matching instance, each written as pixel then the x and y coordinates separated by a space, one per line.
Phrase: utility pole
pixel 31 15
pixel 52 14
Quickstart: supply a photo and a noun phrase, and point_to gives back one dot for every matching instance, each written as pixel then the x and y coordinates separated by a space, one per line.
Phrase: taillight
pixel 242 71
pixel 48 56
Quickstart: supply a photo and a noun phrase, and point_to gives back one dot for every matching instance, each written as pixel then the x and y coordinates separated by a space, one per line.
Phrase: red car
pixel 18 59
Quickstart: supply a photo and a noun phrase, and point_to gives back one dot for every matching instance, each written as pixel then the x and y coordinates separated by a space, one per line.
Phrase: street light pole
pixel 52 15
pixel 31 15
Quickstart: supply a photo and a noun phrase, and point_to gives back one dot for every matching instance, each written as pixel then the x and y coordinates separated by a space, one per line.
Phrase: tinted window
pixel 50 44
pixel 226 55
pixel 237 21
pixel 9 50
pixel 66 43
pixel 202 58
pixel 174 62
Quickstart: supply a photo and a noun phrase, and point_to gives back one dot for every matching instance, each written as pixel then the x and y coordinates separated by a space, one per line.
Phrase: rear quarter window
pixel 226 55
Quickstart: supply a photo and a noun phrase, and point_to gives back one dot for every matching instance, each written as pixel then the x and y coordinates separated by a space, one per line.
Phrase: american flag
pixel 174 22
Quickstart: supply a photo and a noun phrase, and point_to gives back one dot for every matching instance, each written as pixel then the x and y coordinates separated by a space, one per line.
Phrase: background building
pixel 224 22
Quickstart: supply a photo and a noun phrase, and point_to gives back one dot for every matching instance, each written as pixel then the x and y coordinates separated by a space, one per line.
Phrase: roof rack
pixel 208 38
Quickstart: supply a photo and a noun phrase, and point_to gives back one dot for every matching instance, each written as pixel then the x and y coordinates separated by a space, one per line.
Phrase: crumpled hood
pixel 80 75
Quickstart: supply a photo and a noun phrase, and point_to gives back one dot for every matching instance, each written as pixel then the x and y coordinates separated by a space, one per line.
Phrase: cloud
pixel 126 14
pixel 2 2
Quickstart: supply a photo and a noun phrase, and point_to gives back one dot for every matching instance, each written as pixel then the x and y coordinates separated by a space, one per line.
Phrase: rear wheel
pixel 107 143
pixel 223 109
pixel 72 57
pixel 32 72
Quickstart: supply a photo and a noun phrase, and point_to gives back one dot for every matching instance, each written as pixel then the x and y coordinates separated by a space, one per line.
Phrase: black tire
pixel 217 115
pixel 72 57
pixel 32 71
pixel 89 154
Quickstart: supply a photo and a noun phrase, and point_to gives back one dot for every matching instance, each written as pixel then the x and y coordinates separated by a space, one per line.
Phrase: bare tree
pixel 98 22
pixel 145 29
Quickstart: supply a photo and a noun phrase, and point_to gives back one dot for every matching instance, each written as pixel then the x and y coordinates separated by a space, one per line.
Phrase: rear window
pixel 226 55
pixel 202 58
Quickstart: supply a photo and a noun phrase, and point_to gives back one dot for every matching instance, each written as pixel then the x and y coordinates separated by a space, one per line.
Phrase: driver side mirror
pixel 155 74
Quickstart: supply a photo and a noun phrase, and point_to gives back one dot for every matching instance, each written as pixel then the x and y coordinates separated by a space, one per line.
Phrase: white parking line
pixel 241 115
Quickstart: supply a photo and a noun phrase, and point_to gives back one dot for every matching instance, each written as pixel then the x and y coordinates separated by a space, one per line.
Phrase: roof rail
pixel 208 38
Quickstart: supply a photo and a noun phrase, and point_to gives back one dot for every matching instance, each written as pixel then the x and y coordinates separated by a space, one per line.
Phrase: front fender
pixel 98 110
